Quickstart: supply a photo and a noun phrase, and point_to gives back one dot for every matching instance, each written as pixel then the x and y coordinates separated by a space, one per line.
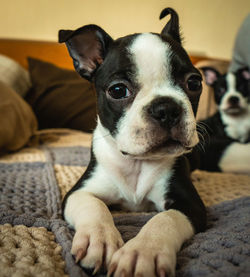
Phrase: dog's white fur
pixel 136 184
pixel 95 229
pixel 154 248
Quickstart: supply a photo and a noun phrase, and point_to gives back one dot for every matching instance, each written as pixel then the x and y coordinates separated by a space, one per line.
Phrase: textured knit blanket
pixel 35 241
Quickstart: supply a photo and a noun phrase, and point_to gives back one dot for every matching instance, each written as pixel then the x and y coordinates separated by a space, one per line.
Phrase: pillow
pixel 18 122
pixel 60 98
pixel 14 75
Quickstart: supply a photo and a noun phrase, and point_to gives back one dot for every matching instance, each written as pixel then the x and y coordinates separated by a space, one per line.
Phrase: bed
pixel 38 166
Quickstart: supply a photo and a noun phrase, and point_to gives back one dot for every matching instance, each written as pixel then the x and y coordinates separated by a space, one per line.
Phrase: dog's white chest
pixel 143 185
pixel 134 184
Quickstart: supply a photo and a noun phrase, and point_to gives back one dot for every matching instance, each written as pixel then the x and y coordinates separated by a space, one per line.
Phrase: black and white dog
pixel 147 96
pixel 228 146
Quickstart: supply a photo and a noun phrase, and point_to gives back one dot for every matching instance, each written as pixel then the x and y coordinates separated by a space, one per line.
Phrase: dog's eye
pixel 119 91
pixel 194 83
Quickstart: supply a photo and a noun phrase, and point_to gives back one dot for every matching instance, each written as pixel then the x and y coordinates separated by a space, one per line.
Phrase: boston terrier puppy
pixel 147 95
pixel 228 145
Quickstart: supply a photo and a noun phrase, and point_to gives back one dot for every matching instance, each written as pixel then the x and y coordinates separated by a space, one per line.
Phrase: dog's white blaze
pixel 152 59
pixel 236 158
pixel 231 82
pixel 151 56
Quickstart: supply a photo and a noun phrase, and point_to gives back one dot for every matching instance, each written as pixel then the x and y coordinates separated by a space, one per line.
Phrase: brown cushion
pixel 60 98
pixel 18 122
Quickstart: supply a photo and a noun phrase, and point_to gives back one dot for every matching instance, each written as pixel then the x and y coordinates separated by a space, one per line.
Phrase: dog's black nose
pixel 166 111
pixel 234 100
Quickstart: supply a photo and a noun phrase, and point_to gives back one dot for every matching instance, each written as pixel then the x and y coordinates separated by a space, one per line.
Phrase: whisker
pixel 202 130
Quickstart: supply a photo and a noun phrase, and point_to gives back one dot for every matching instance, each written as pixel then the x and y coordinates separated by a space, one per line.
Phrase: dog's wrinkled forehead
pixel 142 59
pixel 145 60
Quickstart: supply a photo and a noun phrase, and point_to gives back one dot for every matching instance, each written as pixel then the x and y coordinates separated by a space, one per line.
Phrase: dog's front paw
pixel 139 257
pixel 94 246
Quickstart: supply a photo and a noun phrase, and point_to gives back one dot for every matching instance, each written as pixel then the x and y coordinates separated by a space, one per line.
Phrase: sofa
pixel 47 114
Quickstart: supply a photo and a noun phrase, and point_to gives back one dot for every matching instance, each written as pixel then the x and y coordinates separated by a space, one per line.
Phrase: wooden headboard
pixel 53 52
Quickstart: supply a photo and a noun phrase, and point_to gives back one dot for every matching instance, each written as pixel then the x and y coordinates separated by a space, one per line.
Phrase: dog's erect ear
pixel 172 28
pixel 87 47
pixel 211 75
pixel 244 73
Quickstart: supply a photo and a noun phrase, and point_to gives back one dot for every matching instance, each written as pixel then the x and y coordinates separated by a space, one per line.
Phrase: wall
pixel 209 27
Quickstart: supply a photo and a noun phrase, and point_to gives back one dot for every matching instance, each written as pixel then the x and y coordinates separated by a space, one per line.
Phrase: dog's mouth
pixel 234 110
pixel 169 146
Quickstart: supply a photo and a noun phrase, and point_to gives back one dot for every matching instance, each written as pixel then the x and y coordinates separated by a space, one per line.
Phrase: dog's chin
pixel 234 111
pixel 170 147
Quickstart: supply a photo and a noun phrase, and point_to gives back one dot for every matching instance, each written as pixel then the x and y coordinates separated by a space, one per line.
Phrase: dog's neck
pixel 237 127
pixel 135 177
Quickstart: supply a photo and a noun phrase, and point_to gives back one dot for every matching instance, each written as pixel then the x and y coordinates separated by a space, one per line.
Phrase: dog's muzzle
pixel 165 111
pixel 234 107
pixel 170 129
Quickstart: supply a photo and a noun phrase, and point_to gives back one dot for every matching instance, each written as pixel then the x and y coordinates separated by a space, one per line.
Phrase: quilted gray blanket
pixel 35 241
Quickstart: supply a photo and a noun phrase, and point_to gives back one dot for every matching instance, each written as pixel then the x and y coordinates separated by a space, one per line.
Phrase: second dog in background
pixel 227 146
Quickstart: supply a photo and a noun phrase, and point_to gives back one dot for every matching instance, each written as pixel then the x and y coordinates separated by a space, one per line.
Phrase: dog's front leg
pixel 153 251
pixel 96 238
